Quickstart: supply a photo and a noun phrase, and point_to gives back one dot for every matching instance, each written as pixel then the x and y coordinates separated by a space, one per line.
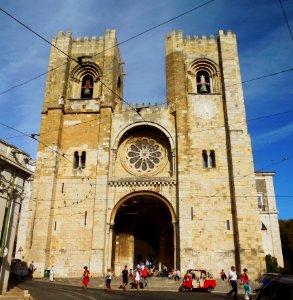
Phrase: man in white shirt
pixel 232 279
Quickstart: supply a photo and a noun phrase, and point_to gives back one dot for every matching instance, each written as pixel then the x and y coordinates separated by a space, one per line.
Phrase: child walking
pixel 108 280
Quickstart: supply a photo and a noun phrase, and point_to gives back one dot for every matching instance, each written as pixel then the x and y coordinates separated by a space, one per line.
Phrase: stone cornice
pixel 142 182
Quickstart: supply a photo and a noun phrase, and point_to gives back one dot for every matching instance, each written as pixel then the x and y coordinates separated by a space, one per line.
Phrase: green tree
pixel 286 231
pixel 272 264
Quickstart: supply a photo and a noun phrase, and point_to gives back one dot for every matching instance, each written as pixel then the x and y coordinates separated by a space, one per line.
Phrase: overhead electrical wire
pixel 286 19
pixel 49 147
pixel 152 28
pixel 35 33
pixel 117 44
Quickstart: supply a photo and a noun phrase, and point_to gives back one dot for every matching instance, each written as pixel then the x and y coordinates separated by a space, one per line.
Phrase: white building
pixel 16 173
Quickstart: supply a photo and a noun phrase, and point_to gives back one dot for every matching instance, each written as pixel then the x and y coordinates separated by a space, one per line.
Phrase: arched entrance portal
pixel 143 230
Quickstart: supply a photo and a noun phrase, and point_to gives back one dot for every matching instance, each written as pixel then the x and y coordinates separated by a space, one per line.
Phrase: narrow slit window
pixel 83 159
pixel 62 187
pixel 228 225
pixel 85 217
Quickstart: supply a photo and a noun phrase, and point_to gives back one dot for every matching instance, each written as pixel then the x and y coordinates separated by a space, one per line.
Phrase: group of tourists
pixel 233 282
pixel 171 274
pixel 137 278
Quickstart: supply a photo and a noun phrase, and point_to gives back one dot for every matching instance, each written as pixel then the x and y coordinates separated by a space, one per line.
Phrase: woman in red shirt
pixel 85 277
pixel 246 285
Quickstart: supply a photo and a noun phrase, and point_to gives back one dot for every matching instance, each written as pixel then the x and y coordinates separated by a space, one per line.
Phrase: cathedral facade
pixel 174 182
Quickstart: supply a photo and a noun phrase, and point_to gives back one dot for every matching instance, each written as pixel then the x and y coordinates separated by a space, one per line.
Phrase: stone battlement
pixel 122 107
pixel 176 39
pixel 110 34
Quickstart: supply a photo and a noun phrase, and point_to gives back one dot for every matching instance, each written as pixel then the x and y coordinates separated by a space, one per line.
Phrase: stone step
pixel 16 294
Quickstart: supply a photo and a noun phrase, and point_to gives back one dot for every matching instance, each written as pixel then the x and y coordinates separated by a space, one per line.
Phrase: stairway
pixel 16 294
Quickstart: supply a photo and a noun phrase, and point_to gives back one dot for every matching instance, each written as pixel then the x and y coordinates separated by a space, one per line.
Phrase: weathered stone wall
pixel 213 209
pixel 214 196
pixel 68 216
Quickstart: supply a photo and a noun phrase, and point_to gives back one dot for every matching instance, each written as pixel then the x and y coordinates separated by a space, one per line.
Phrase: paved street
pixel 41 290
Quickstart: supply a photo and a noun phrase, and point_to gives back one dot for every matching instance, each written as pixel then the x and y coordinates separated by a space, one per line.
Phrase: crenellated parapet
pixel 109 35
pixel 123 107
pixel 176 42
pixel 93 60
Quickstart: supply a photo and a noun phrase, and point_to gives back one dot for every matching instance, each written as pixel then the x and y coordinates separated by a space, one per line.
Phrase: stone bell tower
pixel 74 146
pixel 218 219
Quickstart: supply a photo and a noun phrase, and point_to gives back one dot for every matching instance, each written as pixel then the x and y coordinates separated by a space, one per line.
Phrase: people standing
pixel 232 278
pixel 52 270
pixel 31 270
pixel 246 285
pixel 223 275
pixel 177 274
pixel 108 280
pixel 85 276
pixel 144 275
pixel 147 263
pixel 137 278
pixel 125 277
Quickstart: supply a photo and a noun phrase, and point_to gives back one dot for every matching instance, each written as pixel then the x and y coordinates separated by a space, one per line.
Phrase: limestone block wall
pixel 213 207
pixel 69 202
pixel 224 130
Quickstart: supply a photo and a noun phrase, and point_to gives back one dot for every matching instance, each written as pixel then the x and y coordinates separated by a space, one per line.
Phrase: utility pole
pixel 6 219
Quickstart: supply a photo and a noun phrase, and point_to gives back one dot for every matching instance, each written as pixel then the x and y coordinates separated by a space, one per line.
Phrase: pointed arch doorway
pixel 144 228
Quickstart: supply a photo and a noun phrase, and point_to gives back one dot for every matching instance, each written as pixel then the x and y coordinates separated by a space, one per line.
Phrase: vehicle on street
pixel 267 277
pixel 18 268
pixel 279 288
pixel 198 280
pixel 264 279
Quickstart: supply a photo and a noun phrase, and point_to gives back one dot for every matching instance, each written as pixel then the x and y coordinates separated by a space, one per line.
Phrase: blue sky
pixel 264 44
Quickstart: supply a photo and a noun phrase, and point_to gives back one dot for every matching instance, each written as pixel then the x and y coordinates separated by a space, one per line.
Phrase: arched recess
pixel 145 150
pixel 208 68
pixel 164 131
pixel 143 227
pixel 140 193
pixel 79 74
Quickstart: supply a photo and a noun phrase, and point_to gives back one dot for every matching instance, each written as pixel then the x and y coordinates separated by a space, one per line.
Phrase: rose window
pixel 144 155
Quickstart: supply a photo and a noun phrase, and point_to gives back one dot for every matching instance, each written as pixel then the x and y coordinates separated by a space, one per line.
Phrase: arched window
pixel 87 87
pixel 203 82
pixel 212 159
pixel 85 81
pixel 203 77
pixel 204 158
pixel 76 160
pixel 82 159
pixel 208 159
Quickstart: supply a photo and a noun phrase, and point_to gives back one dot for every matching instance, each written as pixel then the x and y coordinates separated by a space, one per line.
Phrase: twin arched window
pixel 208 159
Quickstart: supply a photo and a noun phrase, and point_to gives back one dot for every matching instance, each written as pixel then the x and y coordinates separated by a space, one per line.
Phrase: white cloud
pixel 265 139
